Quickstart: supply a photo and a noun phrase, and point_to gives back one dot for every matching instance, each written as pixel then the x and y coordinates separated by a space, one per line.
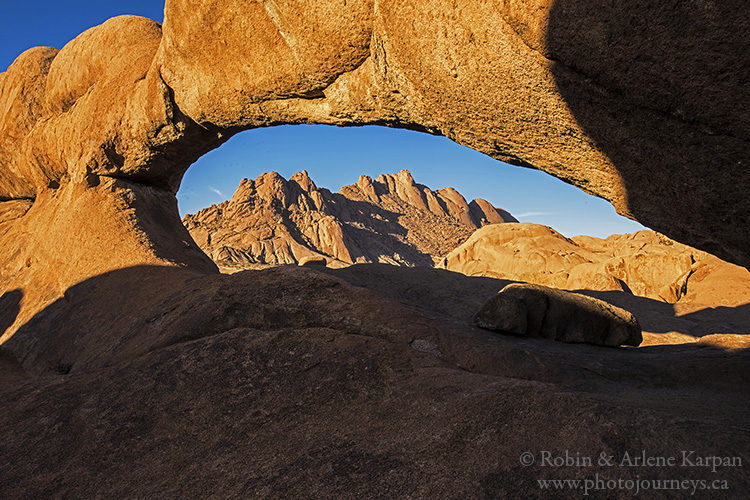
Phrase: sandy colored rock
pixel 95 226
pixel 13 209
pixel 726 341
pixel 522 252
pixel 644 263
pixel 313 261
pixel 646 120
pixel 539 311
pixel 272 221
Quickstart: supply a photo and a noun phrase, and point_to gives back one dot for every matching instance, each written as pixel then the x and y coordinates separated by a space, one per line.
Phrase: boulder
pixel 313 261
pixel 539 311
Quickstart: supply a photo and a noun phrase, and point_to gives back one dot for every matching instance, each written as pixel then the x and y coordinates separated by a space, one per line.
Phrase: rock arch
pixel 95 138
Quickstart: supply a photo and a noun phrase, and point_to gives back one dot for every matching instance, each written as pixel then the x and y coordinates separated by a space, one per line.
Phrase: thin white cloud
pixel 185 194
pixel 216 191
pixel 535 214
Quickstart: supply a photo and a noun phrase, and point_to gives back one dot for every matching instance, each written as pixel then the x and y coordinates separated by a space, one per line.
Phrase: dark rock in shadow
pixel 291 382
pixel 10 305
pixel 660 317
pixel 445 294
pixel 662 89
pixel 451 295
pixel 539 311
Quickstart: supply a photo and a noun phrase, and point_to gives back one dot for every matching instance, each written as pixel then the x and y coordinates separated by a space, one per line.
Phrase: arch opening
pixel 343 196
pixel 336 156
pixel 101 132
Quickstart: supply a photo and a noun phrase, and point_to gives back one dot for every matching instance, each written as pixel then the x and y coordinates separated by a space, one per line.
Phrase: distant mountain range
pixel 392 219
pixel 271 221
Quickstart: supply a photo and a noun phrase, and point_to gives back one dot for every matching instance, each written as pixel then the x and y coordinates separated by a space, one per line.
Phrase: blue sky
pixel 332 156
pixel 32 23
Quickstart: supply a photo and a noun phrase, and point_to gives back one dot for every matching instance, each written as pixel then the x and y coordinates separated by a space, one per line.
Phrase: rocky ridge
pixel 394 220
pixel 391 219
pixel 645 263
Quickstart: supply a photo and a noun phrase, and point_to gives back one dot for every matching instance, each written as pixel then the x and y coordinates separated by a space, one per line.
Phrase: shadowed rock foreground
pixel 289 382
pixel 130 367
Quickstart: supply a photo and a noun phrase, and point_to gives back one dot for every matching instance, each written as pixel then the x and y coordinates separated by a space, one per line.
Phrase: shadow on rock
pixel 290 381
pixel 660 317
pixel 457 297
pixel 10 306
pixel 656 84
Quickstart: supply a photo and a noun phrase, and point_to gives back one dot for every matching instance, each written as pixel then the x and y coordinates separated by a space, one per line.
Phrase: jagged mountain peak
pixel 443 202
pixel 271 220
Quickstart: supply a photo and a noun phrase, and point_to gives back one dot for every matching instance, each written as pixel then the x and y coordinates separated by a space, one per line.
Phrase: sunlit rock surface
pixel 130 367
pixel 392 219
pixel 645 263
pixel 635 102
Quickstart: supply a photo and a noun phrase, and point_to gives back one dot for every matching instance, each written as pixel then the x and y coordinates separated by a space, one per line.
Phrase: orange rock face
pixel 631 106
pixel 158 376
pixel 271 221
pixel 645 263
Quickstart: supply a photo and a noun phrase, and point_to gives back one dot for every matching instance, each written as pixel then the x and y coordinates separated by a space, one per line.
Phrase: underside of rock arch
pixel 130 367
pixel 642 103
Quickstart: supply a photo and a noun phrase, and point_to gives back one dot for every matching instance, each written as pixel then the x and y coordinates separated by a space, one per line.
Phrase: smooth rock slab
pixel 540 311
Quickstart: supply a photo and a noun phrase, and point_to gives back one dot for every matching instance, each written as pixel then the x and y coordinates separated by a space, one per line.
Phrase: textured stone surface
pixel 77 231
pixel 392 219
pixel 644 263
pixel 540 311
pixel 153 381
pixel 125 380
pixel 623 101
